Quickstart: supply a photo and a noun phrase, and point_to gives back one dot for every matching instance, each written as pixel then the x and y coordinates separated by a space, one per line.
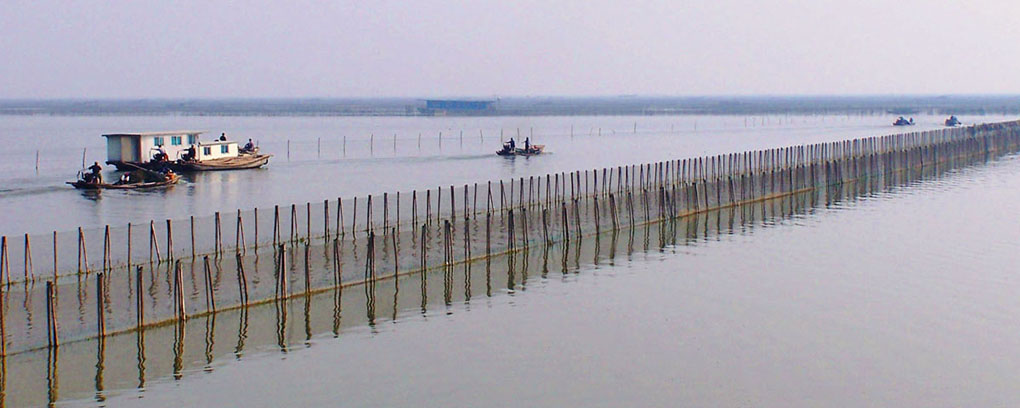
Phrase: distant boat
pixel 181 151
pixel 903 122
pixel 533 150
pixel 953 121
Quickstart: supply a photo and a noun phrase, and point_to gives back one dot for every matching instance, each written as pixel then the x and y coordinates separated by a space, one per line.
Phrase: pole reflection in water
pixel 308 318
pixel 140 356
pixel 178 348
pixel 52 380
pixel 100 367
pixel 370 280
pixel 242 331
pixel 210 330
pixel 281 324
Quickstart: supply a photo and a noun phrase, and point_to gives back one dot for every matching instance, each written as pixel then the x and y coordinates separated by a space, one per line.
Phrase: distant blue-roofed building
pixel 457 107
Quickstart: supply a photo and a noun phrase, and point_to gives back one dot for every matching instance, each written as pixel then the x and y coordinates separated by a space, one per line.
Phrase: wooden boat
pixel 535 150
pixel 81 184
pixel 240 162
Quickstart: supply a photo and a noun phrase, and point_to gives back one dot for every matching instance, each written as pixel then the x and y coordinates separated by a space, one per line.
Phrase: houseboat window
pixel 158 140
pixel 191 139
pixel 175 140
pixel 224 148
pixel 206 151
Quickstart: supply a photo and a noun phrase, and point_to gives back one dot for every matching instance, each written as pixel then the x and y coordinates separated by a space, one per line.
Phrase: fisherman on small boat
pixel 248 147
pixel 901 121
pixel 96 173
pixel 513 145
pixel 527 144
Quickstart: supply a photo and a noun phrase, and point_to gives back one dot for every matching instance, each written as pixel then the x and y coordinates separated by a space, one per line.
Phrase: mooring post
pixel 308 271
pixel 339 217
pixel 354 220
pixel 293 223
pixel 169 240
pixel 242 280
pixel 210 296
pixel 386 213
pixel 29 267
pixel 453 206
pixel 55 252
pixel 3 326
pixel 439 203
pixel 139 303
pixel 182 311
pixel 281 273
pixel 106 249
pixel 239 243
pixel 336 263
pixel 276 225
pixel 218 234
pixel 369 227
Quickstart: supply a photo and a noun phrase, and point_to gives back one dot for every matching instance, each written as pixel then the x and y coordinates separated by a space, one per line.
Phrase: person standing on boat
pixel 527 144
pixel 512 144
pixel 97 174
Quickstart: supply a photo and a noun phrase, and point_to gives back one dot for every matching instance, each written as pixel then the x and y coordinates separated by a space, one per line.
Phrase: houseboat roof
pixel 164 133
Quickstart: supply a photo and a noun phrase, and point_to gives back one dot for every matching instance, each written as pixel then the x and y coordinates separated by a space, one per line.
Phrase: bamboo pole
pixel 55 252
pixel 169 240
pixel 29 267
pixel 139 302
pixel 242 280
pixel 5 263
pixel 210 293
pixel 192 222
pixel 100 298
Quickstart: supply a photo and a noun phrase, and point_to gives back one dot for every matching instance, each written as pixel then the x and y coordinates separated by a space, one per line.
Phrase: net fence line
pixel 173 287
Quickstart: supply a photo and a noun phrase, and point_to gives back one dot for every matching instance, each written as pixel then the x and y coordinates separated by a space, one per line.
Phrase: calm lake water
pixel 320 167
pixel 904 297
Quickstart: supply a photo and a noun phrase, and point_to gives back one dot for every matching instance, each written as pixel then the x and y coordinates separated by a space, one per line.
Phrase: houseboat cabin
pixel 138 149
pixel 215 150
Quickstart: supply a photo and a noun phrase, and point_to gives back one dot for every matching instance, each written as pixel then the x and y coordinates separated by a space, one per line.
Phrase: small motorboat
pixel 532 150
pixel 903 122
pixel 953 121
pixel 130 181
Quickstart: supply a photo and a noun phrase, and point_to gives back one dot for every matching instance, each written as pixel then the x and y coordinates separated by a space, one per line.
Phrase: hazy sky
pixel 158 48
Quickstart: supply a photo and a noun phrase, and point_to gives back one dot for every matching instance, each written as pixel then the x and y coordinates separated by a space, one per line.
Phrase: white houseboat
pixel 183 149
